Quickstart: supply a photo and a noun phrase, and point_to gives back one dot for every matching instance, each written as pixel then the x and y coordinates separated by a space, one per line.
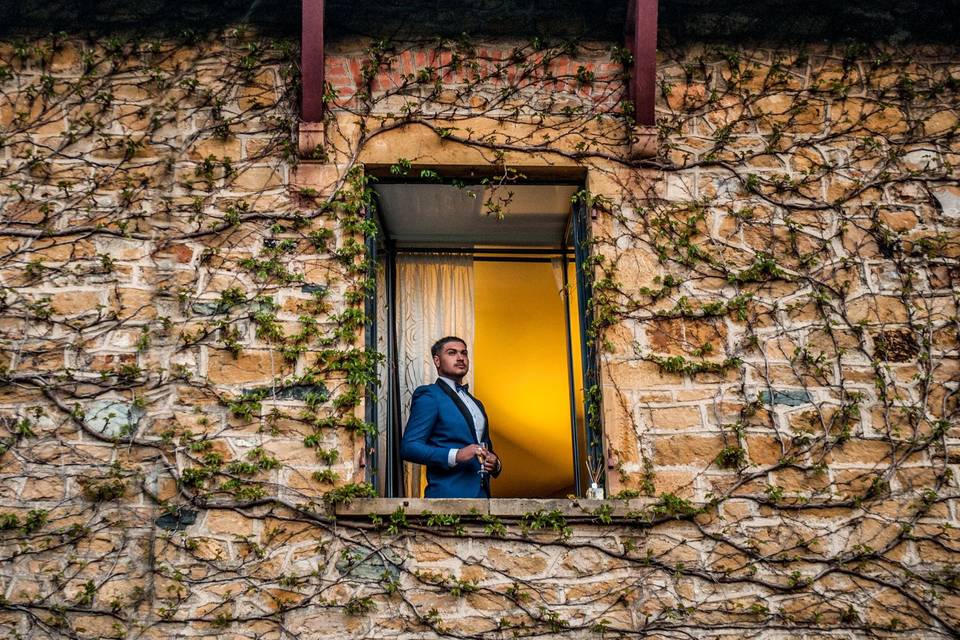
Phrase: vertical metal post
pixel 642 42
pixel 370 342
pixel 574 428
pixel 312 60
pixel 394 483
pixel 588 344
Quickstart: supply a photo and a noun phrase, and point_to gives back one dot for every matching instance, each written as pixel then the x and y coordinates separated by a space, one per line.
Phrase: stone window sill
pixel 504 508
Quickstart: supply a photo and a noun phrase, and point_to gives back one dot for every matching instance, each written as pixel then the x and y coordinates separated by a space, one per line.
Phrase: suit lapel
pixel 462 407
pixel 486 420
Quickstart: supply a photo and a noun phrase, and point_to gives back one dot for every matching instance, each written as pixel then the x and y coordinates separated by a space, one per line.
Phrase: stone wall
pixel 181 400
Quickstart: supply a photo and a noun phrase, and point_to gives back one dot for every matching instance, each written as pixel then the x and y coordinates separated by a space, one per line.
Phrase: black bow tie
pixel 463 387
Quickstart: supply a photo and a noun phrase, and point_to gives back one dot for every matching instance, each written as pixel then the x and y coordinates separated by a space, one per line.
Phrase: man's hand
pixel 490 462
pixel 465 454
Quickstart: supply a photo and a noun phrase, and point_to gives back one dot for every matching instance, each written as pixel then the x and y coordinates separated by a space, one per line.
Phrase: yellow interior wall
pixel 574 309
pixel 520 373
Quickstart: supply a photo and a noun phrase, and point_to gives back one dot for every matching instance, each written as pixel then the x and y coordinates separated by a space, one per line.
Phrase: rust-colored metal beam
pixel 642 42
pixel 311 61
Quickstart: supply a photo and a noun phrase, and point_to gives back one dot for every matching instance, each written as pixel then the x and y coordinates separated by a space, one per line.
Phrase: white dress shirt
pixel 479 422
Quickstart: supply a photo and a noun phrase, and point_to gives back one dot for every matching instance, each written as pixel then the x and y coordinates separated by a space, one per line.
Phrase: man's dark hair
pixel 438 345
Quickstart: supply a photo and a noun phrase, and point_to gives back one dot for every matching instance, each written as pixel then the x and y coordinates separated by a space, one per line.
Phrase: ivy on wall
pixel 181 322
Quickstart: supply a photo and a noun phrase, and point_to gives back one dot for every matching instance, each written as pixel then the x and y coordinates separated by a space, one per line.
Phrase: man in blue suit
pixel 447 426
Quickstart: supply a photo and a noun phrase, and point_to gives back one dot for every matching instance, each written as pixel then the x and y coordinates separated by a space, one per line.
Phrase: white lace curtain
pixel 434 299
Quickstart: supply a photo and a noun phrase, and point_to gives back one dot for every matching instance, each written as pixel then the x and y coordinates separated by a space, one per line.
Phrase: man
pixel 446 428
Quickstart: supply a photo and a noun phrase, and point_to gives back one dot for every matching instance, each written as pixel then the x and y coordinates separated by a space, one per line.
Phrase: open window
pixel 502 267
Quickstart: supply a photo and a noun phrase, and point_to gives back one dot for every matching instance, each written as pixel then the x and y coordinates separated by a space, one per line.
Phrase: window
pixel 499 266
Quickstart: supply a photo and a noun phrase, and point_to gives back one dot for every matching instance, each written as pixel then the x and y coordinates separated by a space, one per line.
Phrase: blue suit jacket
pixel 439 421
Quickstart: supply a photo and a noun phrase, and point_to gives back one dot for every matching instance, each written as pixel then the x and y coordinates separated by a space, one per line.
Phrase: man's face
pixel 453 361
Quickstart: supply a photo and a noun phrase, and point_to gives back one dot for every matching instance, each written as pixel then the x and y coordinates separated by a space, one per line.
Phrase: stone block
pixel 517 561
pixel 291 452
pixel 786 397
pixel 640 374
pixel 678 483
pixel 311 140
pixel 859 451
pixel 97 626
pixel 799 481
pixel 256 179
pixel 75 302
pixel 765 450
pixel 180 253
pixel 684 450
pixel 643 142
pixel 919 479
pixel 670 549
pixel 63 249
pixel 219 148
pixel 620 427
pixel 250 366
pixel 941 122
pixel 136 304
pixel 227 523
pixel 42 488
pixel 683 337
pixel 674 418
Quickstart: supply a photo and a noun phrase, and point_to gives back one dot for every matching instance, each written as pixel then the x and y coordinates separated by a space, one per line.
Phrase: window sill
pixel 506 508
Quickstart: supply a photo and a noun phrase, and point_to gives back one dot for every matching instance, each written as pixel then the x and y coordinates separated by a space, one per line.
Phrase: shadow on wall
pixel 812 21
pixel 679 20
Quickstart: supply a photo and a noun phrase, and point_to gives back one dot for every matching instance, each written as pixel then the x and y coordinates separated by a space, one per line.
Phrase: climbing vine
pixel 182 314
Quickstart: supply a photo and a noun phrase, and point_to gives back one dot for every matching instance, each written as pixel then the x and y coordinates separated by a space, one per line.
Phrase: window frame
pixel 384 468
